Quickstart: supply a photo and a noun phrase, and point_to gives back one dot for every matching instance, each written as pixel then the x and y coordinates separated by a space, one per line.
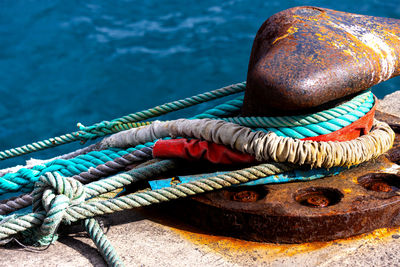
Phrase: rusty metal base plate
pixel 356 201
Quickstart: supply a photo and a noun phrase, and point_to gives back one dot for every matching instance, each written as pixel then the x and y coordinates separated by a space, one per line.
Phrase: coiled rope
pixel 61 196
pixel 323 122
pixel 310 125
pixel 380 139
pixel 293 126
pixel 265 146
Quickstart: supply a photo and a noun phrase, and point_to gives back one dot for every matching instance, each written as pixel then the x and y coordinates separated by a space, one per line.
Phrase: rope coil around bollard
pixel 26 177
pixel 60 195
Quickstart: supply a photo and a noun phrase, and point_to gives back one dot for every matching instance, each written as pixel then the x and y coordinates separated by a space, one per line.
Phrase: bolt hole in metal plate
pixel 381 182
pixel 249 194
pixel 318 197
pixel 356 201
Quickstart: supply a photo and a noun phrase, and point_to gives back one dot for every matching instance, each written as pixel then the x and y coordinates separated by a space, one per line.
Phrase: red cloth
pixel 199 150
pixel 360 127
pixel 202 150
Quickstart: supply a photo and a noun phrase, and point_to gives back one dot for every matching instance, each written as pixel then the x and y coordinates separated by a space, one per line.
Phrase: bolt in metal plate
pixel 356 201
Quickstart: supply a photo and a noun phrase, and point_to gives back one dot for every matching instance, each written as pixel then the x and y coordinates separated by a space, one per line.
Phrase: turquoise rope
pixel 295 175
pixel 59 200
pixel 24 179
pixel 311 125
pixel 69 192
pixel 226 109
pixel 130 121
pixel 126 122
pixel 323 122
pixel 100 240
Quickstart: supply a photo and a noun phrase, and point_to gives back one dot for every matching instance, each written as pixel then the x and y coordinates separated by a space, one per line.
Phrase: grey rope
pixel 117 164
pixel 75 212
pixel 103 170
pixel 16 203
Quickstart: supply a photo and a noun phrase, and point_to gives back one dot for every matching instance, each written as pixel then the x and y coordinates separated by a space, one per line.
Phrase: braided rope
pixel 123 123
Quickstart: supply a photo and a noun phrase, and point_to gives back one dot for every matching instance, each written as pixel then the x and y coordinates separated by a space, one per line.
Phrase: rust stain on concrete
pixel 232 247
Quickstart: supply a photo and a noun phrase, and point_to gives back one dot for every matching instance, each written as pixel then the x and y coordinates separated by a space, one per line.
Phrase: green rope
pixel 126 122
pixel 356 107
pixel 65 203
pixel 24 179
pixel 83 210
pixel 57 198
pixel 320 123
pixel 100 240
pixel 300 127
pixel 226 109
pixel 310 125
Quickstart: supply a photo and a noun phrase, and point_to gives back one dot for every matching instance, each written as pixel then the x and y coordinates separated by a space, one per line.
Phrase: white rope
pixel 265 146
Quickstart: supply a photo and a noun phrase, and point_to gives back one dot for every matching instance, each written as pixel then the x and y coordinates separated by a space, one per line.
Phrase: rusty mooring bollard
pixel 304 57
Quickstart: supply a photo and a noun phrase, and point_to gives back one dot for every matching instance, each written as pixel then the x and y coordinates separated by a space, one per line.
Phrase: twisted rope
pixel 323 122
pixel 226 109
pixel 72 213
pixel 59 199
pixel 265 146
pixel 54 193
pixel 100 171
pixel 327 122
pixel 16 203
pixel 100 240
pixel 348 111
pixel 59 195
pixel 310 125
pixel 123 123
pixel 93 165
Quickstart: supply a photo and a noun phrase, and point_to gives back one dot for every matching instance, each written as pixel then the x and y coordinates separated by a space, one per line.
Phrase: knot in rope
pixel 54 193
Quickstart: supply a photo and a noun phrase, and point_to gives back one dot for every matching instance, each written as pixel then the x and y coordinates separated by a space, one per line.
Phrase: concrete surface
pixel 144 238
pixel 147 242
pixel 390 104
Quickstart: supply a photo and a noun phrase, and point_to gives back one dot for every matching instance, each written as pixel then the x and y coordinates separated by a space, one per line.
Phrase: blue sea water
pixel 63 62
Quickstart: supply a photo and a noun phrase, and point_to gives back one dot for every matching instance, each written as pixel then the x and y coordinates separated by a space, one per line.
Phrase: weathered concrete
pixel 144 238
pixel 390 104
pixel 143 242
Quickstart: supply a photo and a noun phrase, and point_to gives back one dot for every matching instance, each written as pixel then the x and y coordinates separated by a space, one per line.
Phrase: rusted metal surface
pixel 356 201
pixel 304 57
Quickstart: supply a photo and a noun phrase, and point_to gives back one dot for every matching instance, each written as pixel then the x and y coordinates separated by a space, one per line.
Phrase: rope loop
pixel 54 193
